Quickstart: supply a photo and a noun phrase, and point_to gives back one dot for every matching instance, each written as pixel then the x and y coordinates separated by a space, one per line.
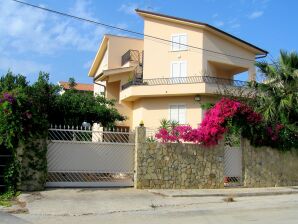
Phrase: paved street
pixel 140 206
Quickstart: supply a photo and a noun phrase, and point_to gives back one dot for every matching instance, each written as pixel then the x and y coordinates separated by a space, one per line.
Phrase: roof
pixel 114 71
pixel 203 25
pixel 79 86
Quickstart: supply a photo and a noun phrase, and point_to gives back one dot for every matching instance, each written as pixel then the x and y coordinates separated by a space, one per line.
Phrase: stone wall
pixel 267 167
pixel 33 165
pixel 177 166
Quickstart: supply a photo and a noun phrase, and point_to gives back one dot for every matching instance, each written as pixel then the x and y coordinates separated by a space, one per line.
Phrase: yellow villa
pixel 170 77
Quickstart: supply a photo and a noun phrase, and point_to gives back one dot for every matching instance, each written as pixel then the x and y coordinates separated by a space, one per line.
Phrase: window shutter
pixel 175 69
pixel 183 40
pixel 183 69
pixel 182 114
pixel 175 43
pixel 174 114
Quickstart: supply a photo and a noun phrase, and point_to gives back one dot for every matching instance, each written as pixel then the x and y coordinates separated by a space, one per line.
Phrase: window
pixel 178 69
pixel 177 41
pixel 178 113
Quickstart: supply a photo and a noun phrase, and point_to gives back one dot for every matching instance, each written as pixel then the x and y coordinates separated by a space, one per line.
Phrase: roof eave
pixel 98 57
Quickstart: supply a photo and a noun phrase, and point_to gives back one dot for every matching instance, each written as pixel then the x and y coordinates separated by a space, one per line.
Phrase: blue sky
pixel 33 40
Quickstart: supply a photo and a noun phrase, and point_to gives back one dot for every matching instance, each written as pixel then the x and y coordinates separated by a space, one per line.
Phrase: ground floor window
pixel 178 113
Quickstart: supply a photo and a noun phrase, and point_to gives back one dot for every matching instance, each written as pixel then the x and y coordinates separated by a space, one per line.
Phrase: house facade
pixel 179 65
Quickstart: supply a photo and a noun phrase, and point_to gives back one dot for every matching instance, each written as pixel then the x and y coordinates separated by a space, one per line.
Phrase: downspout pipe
pixel 104 87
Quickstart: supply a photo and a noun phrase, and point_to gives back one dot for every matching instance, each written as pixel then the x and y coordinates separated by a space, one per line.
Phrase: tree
pixel 72 83
pixel 70 108
pixel 277 98
pixel 10 82
pixel 74 107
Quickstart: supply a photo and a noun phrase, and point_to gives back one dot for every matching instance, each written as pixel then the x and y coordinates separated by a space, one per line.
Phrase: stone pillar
pixel 97 133
pixel 140 139
pixel 32 161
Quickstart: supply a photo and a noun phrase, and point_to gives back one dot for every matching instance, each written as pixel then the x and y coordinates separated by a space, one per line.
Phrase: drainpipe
pixel 104 87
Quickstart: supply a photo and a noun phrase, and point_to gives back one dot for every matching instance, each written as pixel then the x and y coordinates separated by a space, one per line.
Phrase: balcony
pixel 176 86
pixel 130 56
pixel 185 80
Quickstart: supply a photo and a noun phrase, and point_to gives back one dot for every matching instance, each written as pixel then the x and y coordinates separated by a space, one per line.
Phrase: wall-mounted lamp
pixel 197 98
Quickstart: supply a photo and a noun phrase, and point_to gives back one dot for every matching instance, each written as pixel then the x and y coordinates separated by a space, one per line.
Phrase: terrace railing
pixel 185 80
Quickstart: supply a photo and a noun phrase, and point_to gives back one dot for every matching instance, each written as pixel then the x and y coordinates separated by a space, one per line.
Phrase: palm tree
pixel 277 98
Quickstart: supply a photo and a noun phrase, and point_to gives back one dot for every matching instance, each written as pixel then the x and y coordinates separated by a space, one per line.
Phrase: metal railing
pixel 130 55
pixel 75 134
pixel 185 80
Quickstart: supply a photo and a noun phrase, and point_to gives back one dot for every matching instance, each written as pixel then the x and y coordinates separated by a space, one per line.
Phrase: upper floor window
pixel 179 42
pixel 178 69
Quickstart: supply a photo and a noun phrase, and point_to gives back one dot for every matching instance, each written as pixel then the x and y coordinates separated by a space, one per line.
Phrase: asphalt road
pixel 130 206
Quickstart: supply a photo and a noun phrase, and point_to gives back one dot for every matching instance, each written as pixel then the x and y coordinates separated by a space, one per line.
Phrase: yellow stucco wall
pixel 158 54
pixel 112 92
pixel 197 60
pixel 118 46
pixel 213 42
pixel 152 110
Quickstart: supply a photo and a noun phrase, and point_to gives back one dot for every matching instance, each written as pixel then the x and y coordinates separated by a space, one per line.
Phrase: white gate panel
pixel 233 165
pixel 89 156
pixel 76 159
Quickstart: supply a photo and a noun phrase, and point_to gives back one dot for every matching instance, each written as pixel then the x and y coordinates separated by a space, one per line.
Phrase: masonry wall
pixel 267 167
pixel 177 166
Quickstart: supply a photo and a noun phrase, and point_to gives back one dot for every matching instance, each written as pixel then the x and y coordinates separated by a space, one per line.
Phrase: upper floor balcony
pixel 131 56
pixel 190 85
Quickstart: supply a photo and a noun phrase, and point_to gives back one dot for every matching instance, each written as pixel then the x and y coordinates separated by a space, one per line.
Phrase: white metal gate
pixel 232 166
pixel 86 158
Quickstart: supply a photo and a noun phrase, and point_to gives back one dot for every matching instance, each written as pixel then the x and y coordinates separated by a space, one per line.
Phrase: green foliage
pixel 207 105
pixel 25 114
pixel 72 83
pixel 277 98
pixel 168 124
pixel 73 108
pixel 233 135
pixel 11 82
pixel 7 198
pixel 151 139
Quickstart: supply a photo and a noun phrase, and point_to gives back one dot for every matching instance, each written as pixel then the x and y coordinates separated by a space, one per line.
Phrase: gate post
pixel 97 133
pixel 140 140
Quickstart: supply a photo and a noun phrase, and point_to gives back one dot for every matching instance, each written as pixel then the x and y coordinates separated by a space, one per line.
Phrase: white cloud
pixel 23 67
pixel 80 9
pixel 215 15
pixel 235 25
pixel 255 14
pixel 88 64
pixel 219 23
pixel 128 8
pixel 24 29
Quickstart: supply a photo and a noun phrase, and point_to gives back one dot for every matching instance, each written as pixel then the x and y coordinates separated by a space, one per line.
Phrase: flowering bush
pixel 214 124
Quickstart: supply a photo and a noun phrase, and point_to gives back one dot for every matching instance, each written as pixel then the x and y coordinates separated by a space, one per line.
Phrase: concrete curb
pixel 14 209
pixel 235 192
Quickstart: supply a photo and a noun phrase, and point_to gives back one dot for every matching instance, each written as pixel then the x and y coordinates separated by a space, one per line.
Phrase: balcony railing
pixel 130 55
pixel 185 80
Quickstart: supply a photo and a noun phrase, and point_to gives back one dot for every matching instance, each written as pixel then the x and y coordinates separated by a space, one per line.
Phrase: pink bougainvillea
pixel 213 125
